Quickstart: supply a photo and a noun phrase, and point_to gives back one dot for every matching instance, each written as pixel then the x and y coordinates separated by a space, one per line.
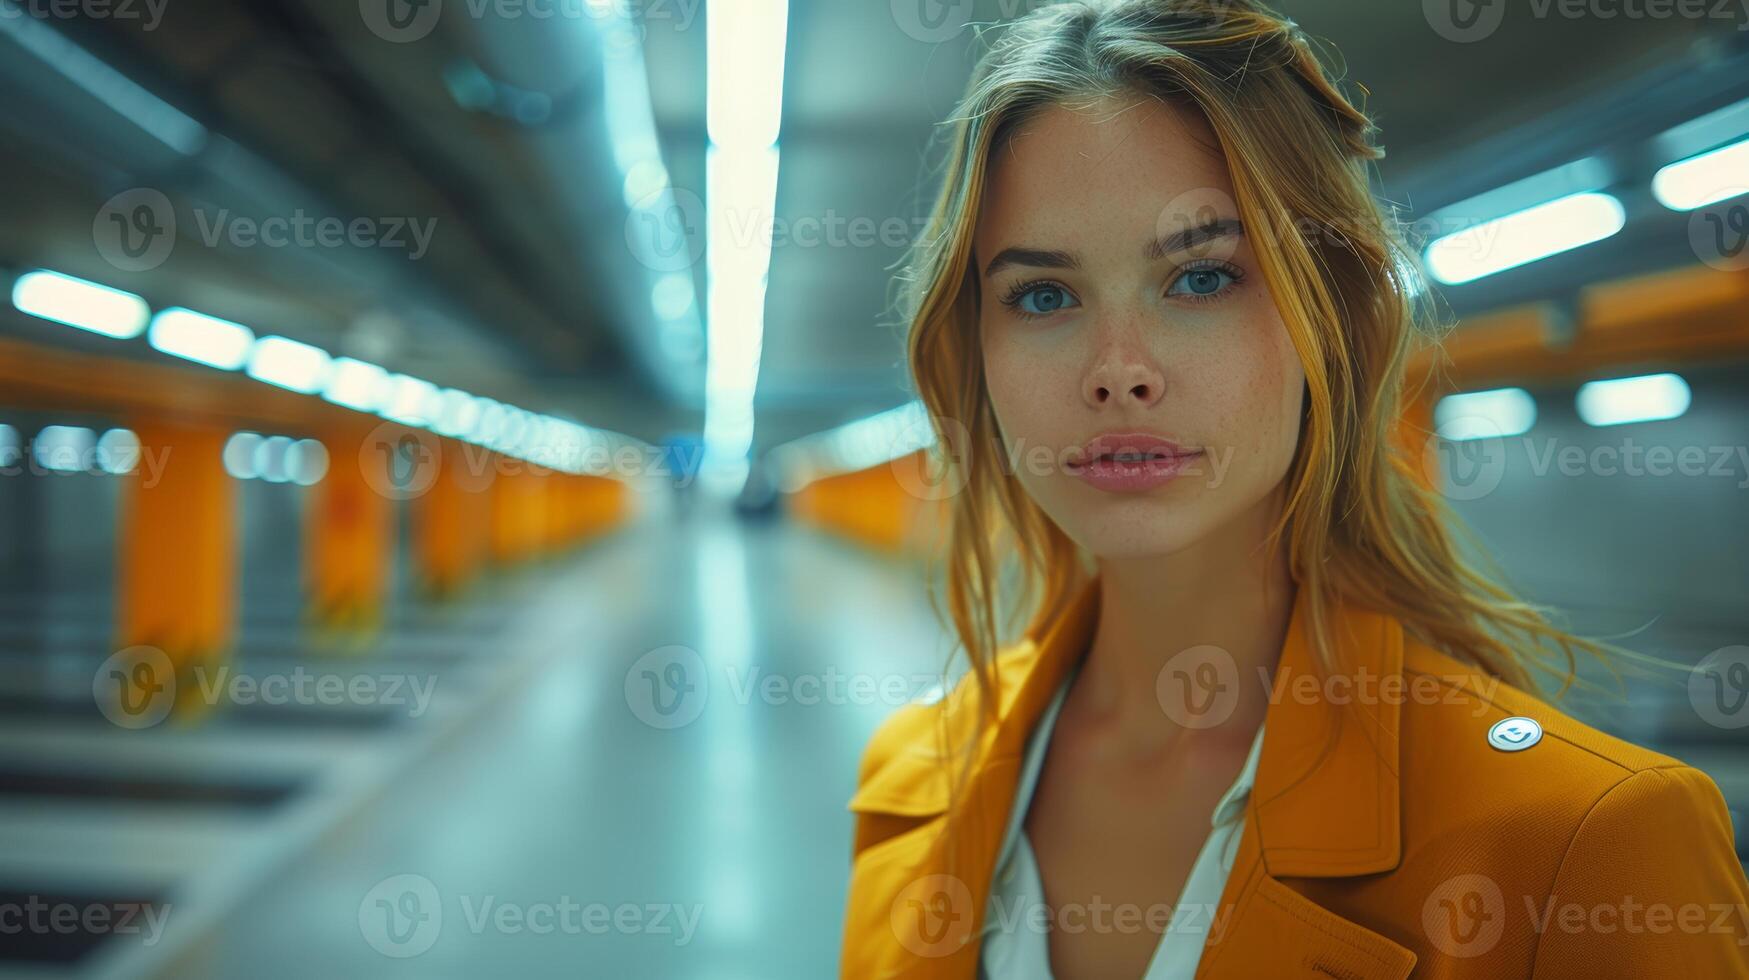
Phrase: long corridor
pixel 571 829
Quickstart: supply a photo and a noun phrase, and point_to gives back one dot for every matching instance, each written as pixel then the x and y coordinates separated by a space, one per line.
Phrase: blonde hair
pixel 1360 521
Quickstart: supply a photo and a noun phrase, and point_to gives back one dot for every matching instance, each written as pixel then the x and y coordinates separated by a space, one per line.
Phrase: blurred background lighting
pixel 201 338
pixel 1484 414
pixel 290 364
pixel 1646 398
pixel 80 303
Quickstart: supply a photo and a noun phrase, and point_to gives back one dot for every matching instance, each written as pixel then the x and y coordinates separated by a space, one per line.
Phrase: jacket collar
pixel 1326 790
pixel 1324 808
pixel 1321 806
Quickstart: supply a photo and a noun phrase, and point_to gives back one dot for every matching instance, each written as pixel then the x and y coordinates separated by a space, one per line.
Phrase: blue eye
pixel 1039 298
pixel 1203 284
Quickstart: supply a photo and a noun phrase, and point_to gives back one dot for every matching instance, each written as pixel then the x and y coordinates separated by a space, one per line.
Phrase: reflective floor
pixel 570 828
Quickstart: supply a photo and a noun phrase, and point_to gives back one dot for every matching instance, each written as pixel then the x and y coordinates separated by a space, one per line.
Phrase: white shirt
pixel 1015 939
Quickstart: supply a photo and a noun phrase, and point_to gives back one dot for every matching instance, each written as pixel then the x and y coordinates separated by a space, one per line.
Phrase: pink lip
pixel 1130 462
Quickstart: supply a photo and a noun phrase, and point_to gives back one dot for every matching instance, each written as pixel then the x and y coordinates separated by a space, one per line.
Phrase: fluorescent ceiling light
pixel 488 425
pixel 627 109
pixel 200 338
pixel 743 114
pixel 1647 398
pixel 744 71
pixel 306 462
pixel 118 452
pixel 239 455
pixel 742 190
pixel 270 459
pixel 1524 237
pixel 358 385
pixel 457 412
pixel 81 303
pixel 289 364
pixel 672 295
pixel 1706 179
pixel 411 401
pixel 645 178
pixel 863 444
pixel 64 448
pixel 1484 414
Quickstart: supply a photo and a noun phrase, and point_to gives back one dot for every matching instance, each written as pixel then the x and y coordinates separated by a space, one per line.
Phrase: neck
pixel 1227 591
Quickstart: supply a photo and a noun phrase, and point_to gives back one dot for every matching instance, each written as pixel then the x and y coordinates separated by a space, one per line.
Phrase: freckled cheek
pixel 1234 389
pixel 1030 389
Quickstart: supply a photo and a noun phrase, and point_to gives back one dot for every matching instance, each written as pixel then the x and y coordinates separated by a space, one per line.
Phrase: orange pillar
pixel 177 574
pixel 351 531
pixel 597 503
pixel 454 521
pixel 518 513
pixel 506 507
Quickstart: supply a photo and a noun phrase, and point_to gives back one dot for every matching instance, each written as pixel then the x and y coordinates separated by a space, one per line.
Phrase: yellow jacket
pixel 1433 855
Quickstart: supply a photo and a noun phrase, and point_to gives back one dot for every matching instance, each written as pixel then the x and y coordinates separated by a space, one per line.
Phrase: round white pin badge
pixel 1515 734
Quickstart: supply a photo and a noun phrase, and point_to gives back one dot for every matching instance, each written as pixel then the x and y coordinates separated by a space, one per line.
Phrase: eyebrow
pixel 1159 248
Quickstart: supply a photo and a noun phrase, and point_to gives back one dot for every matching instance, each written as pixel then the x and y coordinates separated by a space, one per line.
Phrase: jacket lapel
pixel 1324 804
pixel 1326 793
pixel 940 874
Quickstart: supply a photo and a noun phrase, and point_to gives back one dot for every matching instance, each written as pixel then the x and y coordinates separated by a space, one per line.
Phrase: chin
pixel 1117 526
pixel 1115 544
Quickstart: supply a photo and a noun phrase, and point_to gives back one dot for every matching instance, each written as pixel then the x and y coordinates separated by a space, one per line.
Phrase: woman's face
pixel 1101 317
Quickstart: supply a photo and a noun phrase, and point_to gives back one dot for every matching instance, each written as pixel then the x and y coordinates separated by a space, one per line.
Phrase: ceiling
pixel 497 128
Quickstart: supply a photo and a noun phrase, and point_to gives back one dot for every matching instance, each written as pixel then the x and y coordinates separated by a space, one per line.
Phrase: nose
pixel 1123 376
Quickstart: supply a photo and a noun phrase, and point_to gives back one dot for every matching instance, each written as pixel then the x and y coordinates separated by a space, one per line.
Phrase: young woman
pixel 1266 721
